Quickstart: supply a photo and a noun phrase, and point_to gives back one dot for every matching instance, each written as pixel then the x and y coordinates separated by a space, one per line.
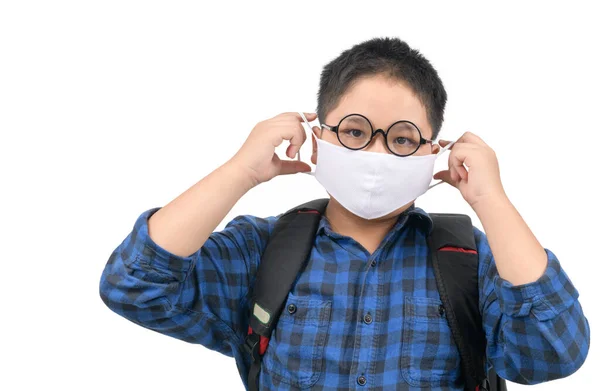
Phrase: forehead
pixel 383 101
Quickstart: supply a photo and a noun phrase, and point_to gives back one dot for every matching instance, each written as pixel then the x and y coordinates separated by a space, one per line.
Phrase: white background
pixel 110 108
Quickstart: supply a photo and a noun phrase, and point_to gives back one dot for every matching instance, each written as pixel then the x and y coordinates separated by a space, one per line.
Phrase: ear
pixel 313 157
pixel 435 148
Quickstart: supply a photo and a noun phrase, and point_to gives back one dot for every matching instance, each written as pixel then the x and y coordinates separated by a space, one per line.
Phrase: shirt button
pixel 361 380
pixel 291 308
pixel 373 263
pixel 368 318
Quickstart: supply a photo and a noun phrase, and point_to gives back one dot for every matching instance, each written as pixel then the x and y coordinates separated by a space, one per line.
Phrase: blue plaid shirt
pixel 361 321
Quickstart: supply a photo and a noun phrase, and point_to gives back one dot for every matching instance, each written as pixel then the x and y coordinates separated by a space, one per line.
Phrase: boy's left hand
pixel 482 180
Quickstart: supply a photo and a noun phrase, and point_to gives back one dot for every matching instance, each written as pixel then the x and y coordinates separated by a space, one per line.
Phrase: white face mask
pixel 372 184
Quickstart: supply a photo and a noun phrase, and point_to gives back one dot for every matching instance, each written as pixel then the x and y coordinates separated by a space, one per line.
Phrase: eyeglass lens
pixel 354 132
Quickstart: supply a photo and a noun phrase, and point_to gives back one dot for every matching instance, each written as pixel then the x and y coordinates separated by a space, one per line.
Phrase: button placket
pixel 291 308
pixel 361 380
pixel 368 302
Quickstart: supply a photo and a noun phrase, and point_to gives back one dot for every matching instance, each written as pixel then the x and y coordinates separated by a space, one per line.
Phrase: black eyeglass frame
pixel 335 129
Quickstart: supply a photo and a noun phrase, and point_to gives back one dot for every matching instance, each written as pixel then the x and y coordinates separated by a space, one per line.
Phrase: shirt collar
pixel 412 215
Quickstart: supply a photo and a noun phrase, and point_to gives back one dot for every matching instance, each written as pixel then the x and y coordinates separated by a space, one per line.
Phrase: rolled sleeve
pixel 151 255
pixel 199 298
pixel 535 332
pixel 545 298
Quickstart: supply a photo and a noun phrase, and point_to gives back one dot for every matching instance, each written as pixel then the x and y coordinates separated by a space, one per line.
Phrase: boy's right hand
pixel 257 156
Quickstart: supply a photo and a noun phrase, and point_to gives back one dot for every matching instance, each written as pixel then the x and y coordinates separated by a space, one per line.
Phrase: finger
pixel 466 145
pixel 288 151
pixel 297 141
pixel 457 167
pixel 462 173
pixel 445 176
pixel 454 174
pixel 469 137
pixel 461 143
pixel 294 114
pixel 291 131
pixel 443 143
pixel 293 167
pixel 461 155
pixel 476 139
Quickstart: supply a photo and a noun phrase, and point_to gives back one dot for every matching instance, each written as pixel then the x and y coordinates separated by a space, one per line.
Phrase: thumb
pixel 310 115
pixel 293 167
pixel 445 176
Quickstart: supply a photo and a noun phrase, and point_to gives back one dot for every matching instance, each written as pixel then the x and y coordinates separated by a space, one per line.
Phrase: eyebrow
pixel 360 121
pixel 355 120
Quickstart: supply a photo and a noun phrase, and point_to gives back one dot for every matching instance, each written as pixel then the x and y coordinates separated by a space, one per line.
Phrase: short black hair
pixel 389 56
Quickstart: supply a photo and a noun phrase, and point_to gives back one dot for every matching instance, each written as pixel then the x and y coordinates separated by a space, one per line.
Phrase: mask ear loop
pixel 444 149
pixel 313 133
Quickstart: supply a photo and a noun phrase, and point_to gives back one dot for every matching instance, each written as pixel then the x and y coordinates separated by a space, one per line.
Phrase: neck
pixel 369 233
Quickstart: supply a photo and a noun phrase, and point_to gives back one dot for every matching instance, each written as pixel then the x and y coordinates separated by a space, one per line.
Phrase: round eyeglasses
pixel 354 131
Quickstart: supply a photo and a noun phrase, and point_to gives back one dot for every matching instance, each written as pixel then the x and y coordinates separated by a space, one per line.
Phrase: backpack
pixel 452 253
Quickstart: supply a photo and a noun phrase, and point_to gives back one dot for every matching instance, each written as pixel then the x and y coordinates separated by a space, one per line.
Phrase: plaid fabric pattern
pixel 358 320
pixel 429 356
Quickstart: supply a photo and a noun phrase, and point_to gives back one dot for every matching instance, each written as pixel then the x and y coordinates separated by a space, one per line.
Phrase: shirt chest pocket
pixel 295 352
pixel 429 355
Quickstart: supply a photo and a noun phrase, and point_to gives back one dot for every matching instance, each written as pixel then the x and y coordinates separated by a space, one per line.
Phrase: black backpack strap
pixel 288 248
pixel 455 263
pixel 496 382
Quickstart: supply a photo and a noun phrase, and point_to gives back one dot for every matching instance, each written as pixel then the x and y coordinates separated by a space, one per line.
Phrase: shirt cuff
pixel 545 298
pixel 150 254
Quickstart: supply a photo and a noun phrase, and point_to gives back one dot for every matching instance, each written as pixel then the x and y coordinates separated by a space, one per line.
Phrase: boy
pixel 362 314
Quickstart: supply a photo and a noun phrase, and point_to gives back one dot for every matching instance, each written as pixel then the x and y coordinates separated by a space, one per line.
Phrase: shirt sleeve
pixel 198 299
pixel 535 332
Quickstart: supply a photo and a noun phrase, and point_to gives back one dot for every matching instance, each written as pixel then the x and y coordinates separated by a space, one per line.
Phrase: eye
pixel 355 133
pixel 404 141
